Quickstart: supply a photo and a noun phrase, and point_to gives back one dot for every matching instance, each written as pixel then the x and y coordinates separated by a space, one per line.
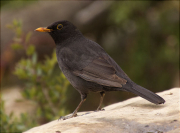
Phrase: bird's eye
pixel 59 26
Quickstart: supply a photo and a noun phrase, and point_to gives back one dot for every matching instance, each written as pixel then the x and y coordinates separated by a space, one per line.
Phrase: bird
pixel 88 67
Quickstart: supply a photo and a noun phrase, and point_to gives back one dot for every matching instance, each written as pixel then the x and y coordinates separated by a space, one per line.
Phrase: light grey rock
pixel 135 115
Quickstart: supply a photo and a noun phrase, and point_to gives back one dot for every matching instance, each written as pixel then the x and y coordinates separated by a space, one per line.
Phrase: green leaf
pixel 28 36
pixel 32 92
pixel 21 73
pixel 18 31
pixel 30 50
pixel 16 46
pixel 15 22
pixel 9 26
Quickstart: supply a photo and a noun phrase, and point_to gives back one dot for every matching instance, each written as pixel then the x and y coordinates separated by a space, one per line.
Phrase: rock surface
pixel 135 115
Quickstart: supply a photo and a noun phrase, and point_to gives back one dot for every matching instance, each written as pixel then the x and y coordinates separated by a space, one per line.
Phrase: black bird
pixel 88 67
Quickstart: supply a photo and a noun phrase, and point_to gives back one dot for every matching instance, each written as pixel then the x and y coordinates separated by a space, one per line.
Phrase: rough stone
pixel 135 115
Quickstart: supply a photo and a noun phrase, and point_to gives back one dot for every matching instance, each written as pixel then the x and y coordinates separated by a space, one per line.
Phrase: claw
pixel 99 110
pixel 67 117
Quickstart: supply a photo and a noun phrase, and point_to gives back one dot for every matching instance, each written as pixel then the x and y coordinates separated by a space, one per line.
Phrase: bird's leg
pixel 101 100
pixel 74 114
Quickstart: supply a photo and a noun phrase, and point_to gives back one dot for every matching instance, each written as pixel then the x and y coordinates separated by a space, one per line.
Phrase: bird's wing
pixel 101 72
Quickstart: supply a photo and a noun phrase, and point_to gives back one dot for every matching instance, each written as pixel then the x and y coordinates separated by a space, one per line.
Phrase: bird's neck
pixel 67 38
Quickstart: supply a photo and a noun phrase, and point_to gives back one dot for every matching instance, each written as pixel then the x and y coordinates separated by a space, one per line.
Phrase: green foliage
pixel 16 46
pixel 16 26
pixel 16 4
pixel 10 124
pixel 148 37
pixel 30 50
pixel 42 84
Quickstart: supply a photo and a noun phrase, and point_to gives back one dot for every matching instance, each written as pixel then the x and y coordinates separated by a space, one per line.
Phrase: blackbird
pixel 88 67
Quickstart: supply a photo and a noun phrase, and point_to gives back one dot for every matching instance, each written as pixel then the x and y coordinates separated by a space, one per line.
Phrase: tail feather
pixel 146 94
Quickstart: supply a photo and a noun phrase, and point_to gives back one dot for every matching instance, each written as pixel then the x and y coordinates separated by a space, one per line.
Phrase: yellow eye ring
pixel 59 26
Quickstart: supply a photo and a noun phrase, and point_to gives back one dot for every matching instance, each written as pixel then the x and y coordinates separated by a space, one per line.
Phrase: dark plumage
pixel 88 67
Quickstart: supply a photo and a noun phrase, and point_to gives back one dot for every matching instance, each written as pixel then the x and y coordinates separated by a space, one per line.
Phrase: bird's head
pixel 60 30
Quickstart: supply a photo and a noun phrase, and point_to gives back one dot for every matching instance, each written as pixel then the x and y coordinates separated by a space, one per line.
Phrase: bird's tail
pixel 146 94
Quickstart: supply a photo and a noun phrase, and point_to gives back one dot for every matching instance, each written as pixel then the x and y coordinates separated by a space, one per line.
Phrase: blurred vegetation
pixel 148 41
pixel 15 4
pixel 41 84
pixel 9 124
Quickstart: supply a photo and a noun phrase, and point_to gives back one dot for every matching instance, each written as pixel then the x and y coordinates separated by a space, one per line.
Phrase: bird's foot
pixel 67 117
pixel 101 109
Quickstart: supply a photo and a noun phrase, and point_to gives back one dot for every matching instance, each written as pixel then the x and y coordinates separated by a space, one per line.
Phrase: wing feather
pixel 101 72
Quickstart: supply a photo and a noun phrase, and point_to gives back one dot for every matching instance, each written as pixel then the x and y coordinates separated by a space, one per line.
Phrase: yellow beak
pixel 43 29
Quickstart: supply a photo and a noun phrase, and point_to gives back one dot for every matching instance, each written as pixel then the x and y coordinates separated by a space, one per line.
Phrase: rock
pixel 135 115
